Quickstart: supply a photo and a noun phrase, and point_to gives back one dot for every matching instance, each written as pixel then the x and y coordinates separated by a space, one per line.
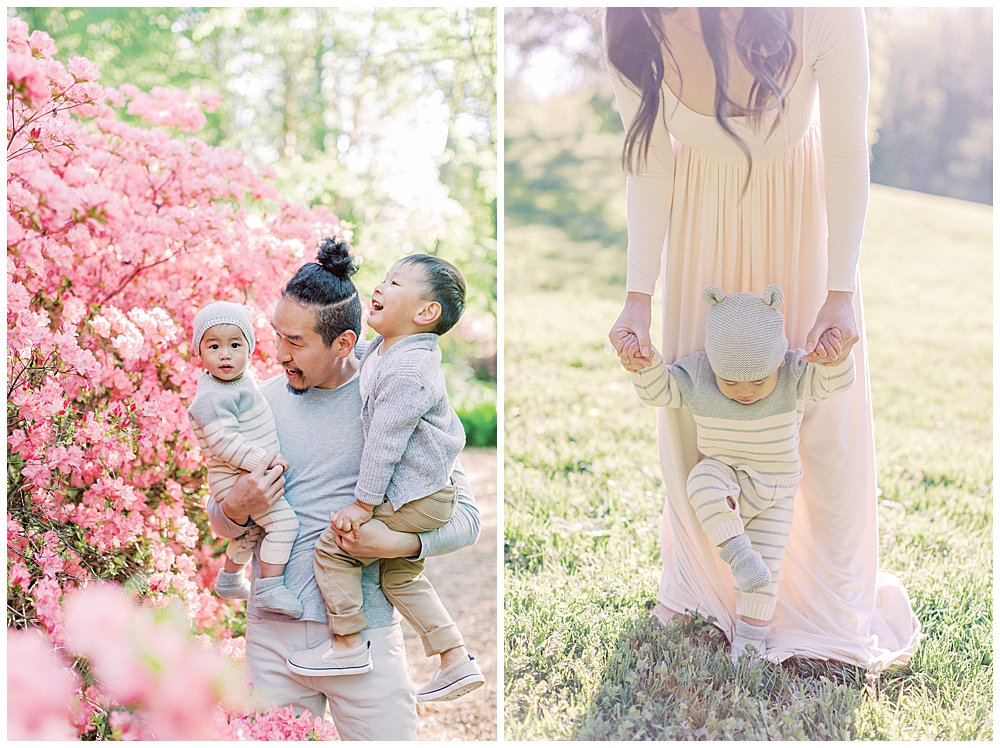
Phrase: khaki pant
pixel 338 575
pixel 378 705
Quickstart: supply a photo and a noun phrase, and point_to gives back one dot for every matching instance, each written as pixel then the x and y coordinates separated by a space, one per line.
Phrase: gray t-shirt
pixel 322 437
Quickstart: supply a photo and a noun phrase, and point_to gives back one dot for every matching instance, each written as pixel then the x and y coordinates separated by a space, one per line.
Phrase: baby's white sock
pixel 749 639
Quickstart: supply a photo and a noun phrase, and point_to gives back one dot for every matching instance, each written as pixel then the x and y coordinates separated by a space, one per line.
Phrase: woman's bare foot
pixel 666 616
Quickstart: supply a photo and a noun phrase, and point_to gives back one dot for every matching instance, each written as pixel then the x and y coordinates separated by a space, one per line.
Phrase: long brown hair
pixel 636 43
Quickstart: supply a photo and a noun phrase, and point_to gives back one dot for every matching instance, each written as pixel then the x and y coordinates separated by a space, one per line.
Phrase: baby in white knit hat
pixel 747 393
pixel 235 430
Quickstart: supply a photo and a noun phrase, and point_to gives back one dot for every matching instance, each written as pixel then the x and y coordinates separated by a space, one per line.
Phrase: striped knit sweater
pixel 234 426
pixel 760 439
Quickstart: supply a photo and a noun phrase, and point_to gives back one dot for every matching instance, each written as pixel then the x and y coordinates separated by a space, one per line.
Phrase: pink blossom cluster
pixel 116 236
pixel 277 724
pixel 151 680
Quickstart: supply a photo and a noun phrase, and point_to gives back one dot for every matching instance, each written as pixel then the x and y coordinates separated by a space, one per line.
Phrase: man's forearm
pixel 461 530
pixel 222 524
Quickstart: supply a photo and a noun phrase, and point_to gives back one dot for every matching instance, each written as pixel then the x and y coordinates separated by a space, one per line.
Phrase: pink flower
pixel 83 69
pixel 17 35
pixel 210 100
pixel 42 44
pixel 40 689
pixel 28 79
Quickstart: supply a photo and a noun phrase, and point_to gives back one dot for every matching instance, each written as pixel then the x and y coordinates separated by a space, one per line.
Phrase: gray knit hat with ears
pixel 224 313
pixel 744 333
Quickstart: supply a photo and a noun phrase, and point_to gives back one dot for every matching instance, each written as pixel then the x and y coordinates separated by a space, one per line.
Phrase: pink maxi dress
pixel 799 225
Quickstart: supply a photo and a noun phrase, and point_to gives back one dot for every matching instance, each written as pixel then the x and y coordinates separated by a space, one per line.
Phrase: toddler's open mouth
pixel 376 306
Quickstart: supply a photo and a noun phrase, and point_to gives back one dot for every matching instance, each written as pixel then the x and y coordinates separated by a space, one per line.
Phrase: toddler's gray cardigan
pixel 412 434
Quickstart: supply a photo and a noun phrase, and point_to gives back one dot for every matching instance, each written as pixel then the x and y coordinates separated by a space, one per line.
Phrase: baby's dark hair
pixel 327 287
pixel 445 285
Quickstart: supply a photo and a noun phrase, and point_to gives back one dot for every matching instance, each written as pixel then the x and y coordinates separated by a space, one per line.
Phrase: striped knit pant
pixel 280 527
pixel 766 522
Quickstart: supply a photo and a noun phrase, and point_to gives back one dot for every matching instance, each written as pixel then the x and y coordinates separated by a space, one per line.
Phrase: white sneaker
pixel 452 682
pixel 325 660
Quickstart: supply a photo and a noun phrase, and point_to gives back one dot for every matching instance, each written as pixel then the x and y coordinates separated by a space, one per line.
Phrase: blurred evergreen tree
pixel 935 107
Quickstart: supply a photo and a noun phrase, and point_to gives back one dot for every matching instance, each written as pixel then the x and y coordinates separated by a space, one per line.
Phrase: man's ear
pixel 344 343
pixel 428 314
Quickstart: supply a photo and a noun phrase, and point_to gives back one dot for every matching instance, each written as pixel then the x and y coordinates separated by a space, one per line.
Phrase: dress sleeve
pixel 463 527
pixel 841 68
pixel 648 195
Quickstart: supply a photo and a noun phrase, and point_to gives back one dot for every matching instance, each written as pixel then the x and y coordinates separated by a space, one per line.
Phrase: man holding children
pixel 317 410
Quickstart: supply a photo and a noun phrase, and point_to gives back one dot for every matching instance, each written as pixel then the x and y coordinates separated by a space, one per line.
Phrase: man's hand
pixel 279 459
pixel 349 520
pixel 836 314
pixel 378 541
pixel 254 492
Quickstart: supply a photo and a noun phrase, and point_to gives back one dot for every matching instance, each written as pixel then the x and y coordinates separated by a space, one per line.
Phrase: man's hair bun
pixel 335 257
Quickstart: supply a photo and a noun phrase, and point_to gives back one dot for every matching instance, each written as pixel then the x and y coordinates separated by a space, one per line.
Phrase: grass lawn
pixel 583 496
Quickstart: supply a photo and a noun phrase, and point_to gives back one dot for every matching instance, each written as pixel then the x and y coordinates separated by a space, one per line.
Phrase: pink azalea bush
pixel 148 679
pixel 116 236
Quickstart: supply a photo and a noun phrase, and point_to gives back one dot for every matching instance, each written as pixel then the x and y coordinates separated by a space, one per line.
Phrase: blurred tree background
pixel 387 115
pixel 931 104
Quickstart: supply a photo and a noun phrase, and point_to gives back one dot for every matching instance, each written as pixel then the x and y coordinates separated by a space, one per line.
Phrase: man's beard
pixel 296 390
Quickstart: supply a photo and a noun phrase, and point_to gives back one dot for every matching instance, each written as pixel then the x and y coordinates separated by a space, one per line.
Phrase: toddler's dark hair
pixel 445 285
pixel 327 286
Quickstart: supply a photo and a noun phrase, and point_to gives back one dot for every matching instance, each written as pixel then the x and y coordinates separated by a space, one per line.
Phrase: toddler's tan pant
pixel 338 575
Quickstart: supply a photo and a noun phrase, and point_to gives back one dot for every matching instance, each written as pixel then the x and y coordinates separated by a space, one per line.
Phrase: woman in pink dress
pixel 747 165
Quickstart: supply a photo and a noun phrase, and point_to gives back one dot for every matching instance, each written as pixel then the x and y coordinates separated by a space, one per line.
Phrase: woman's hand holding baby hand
pixel 630 357
pixel 829 346
pixel 630 333
pixel 835 331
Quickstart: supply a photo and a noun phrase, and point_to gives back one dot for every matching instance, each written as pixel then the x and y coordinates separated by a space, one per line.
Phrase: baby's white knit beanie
pixel 224 313
pixel 744 333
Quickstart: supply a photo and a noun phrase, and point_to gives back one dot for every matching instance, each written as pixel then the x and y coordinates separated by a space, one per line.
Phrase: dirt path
pixel 466 582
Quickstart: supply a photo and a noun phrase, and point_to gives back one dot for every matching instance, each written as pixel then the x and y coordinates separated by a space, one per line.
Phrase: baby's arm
pixel 823 381
pixel 656 384
pixel 216 423
pixel 351 517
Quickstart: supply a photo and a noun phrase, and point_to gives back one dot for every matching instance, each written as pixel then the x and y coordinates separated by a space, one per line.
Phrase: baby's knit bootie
pixel 232 585
pixel 748 640
pixel 748 567
pixel 273 596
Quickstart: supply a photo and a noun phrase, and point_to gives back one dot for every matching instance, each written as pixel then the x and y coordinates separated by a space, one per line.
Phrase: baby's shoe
pixel 453 681
pixel 232 585
pixel 748 566
pixel 274 597
pixel 749 640
pixel 325 660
